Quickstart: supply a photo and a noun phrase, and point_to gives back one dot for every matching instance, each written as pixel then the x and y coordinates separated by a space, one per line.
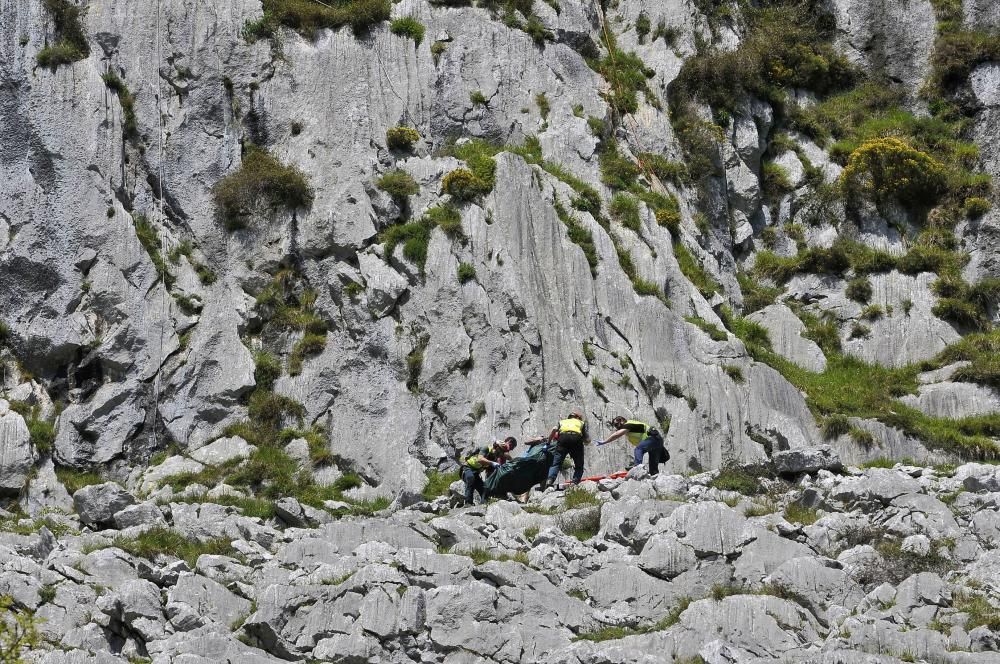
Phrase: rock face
pixel 871 569
pixel 785 331
pixel 15 451
pixel 267 391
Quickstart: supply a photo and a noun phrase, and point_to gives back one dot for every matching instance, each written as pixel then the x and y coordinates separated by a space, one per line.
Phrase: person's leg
pixel 469 476
pixel 577 454
pixel 557 460
pixel 480 488
pixel 654 459
pixel 641 449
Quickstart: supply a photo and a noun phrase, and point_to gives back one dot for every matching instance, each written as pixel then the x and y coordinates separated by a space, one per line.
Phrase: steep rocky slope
pixel 347 241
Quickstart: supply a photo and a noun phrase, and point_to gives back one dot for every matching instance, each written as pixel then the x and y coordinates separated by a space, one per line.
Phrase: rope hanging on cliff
pixel 609 44
pixel 163 248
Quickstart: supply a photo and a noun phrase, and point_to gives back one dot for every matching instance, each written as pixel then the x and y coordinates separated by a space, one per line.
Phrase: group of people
pixel 570 437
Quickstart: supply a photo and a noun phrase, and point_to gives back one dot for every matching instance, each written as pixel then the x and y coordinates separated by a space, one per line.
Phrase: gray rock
pixel 209 599
pixel 170 467
pixel 807 460
pixel 979 477
pixel 16 455
pixel 222 451
pixel 142 514
pixel 785 331
pixel 97 504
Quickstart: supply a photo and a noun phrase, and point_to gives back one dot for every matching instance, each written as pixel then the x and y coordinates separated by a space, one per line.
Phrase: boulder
pixel 97 504
pixel 16 456
pixel 222 451
pixel 785 332
pixel 809 460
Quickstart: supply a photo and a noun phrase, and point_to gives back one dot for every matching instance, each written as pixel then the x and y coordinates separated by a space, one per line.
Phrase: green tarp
pixel 520 474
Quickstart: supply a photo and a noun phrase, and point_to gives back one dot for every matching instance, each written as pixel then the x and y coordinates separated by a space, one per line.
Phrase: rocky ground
pixel 818 564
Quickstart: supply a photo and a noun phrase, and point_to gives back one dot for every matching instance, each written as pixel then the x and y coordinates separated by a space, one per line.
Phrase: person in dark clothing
pixel 644 438
pixel 571 435
pixel 488 457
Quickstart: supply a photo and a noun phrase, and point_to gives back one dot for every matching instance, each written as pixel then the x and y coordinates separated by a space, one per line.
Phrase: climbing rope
pixel 616 83
pixel 163 248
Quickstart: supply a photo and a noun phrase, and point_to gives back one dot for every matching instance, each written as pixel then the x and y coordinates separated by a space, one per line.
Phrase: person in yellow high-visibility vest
pixel 571 435
pixel 644 438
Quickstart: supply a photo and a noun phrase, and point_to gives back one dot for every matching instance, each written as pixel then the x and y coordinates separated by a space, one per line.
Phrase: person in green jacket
pixel 644 438
pixel 488 457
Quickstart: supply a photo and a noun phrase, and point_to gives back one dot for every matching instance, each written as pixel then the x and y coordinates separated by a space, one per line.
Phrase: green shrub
pixel 755 295
pixel 478 98
pixel 982 350
pixel 71 40
pixel 575 498
pixel 401 138
pixel 408 26
pixel 310 344
pixel 445 217
pixel 887 168
pixel 975 207
pixel 642 27
pixel 617 171
pixel 130 125
pixel 961 312
pixel 783 50
pixel 672 171
pixel 307 17
pixel 862 437
pixel 734 372
pixel 399 184
pixel 414 236
pixel 543 104
pixel 580 236
pixel 261 178
pixel 18 631
pixel 466 272
pixel 628 75
pixel 775 180
pixel 625 209
pixel 859 331
pixel 415 364
pixel 150 241
pixel 835 425
pixel 463 185
pixel 859 289
pixel 872 312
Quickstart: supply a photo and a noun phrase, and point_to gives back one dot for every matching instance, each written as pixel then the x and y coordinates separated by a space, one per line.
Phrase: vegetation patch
pixel 438 484
pixel 70 39
pixel 399 184
pixel 741 479
pixel 694 272
pixel 260 180
pixel 130 125
pixel 169 542
pixel 410 27
pixel 401 138
pixel 308 18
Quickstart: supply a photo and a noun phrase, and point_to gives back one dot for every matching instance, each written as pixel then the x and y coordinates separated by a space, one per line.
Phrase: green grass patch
pixel 438 484
pixel 575 497
pixel 741 479
pixel 708 328
pixel 308 18
pixel 694 272
pixel 169 542
pixel 466 272
pixel 74 480
pixel 614 632
pixel 70 38
pixel 796 513
pixel 410 27
pixel 625 208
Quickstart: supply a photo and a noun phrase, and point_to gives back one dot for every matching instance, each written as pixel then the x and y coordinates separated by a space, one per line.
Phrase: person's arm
pixel 534 441
pixel 615 436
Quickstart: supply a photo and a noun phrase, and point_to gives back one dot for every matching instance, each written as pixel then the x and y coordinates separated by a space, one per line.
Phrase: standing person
pixel 571 435
pixel 486 457
pixel 644 438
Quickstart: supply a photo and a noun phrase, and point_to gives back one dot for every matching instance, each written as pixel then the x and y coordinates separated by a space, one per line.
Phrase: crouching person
pixel 645 439
pixel 486 458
